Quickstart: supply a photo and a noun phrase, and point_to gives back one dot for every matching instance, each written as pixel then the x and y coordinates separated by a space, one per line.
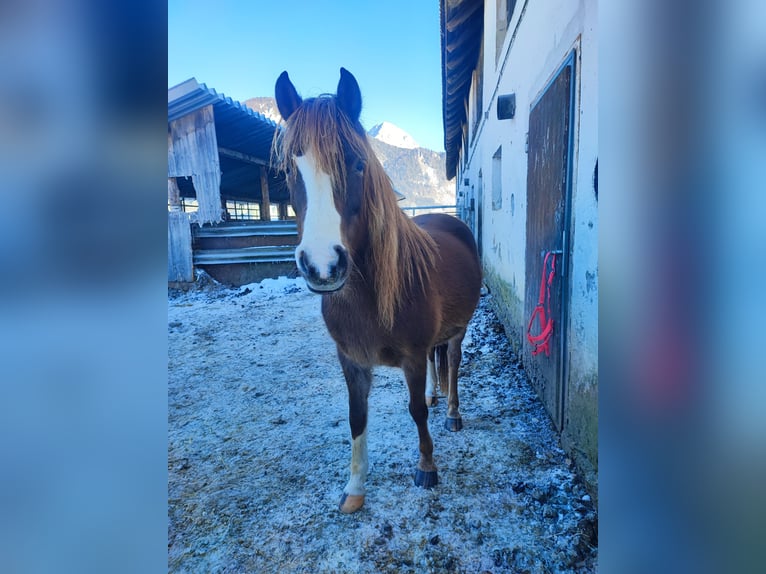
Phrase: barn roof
pixel 243 135
pixel 462 26
pixel 237 126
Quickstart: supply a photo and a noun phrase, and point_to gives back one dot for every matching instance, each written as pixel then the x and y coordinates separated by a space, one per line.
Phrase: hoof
pixel 351 503
pixel 426 479
pixel 453 424
pixel 431 401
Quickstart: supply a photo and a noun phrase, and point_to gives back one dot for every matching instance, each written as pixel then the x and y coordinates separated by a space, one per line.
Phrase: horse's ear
pixel 287 96
pixel 349 96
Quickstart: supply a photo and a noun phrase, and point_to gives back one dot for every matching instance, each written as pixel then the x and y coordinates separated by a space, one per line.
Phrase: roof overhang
pixel 462 26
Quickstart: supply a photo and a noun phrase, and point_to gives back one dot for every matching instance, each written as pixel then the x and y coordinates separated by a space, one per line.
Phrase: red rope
pixel 541 342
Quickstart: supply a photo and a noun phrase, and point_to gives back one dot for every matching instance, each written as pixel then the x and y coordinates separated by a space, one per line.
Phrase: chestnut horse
pixel 393 289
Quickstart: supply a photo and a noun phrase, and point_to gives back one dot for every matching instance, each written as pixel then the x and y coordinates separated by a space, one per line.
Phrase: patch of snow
pixel 278 286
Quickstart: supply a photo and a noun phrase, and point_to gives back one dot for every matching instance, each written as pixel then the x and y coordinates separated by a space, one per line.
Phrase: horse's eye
pixel 360 165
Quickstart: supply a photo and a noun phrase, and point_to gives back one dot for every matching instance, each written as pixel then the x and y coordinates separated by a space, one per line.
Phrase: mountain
pixel 416 172
pixel 392 135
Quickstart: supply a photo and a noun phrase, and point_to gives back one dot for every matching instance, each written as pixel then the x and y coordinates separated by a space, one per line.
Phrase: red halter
pixel 541 342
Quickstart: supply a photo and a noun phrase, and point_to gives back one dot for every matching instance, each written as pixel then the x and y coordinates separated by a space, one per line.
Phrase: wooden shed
pixel 228 210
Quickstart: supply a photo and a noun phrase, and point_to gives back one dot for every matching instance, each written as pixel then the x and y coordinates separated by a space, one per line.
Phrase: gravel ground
pixel 259 449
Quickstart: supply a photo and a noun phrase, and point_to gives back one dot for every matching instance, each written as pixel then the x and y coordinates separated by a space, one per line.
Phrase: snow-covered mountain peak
pixel 393 135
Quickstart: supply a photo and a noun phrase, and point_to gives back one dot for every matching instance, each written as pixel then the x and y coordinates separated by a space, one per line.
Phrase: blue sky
pixel 392 48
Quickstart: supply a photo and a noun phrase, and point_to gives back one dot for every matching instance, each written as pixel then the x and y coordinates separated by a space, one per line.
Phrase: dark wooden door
pixel 548 204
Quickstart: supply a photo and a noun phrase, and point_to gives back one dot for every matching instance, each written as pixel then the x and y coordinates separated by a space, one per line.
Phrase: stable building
pixel 520 113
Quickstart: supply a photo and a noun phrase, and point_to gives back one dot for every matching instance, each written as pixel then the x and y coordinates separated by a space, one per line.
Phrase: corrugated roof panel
pixel 191 95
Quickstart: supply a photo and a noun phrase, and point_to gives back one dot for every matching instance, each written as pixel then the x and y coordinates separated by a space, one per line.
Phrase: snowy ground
pixel 259 450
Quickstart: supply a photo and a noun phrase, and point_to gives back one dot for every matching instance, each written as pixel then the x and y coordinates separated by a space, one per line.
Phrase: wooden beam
pixel 180 264
pixel 174 195
pixel 244 157
pixel 265 202
pixel 460 13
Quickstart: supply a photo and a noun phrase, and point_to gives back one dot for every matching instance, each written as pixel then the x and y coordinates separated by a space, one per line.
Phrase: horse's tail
pixel 442 368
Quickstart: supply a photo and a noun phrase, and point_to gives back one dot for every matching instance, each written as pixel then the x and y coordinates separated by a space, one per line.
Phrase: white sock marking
pixel 359 465
pixel 431 380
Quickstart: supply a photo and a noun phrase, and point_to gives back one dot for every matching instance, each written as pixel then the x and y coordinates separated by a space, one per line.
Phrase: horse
pixel 395 290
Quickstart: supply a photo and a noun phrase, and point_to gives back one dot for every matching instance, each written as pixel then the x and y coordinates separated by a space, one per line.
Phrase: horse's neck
pixel 371 244
pixel 409 241
pixel 365 278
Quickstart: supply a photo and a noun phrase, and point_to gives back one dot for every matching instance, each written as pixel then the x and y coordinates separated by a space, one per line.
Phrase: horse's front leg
pixel 358 381
pixel 415 373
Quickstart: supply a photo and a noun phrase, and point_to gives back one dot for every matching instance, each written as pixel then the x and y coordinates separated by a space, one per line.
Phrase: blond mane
pixel 402 256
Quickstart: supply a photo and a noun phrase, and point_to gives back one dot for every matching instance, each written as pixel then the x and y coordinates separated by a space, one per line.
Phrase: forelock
pixel 319 126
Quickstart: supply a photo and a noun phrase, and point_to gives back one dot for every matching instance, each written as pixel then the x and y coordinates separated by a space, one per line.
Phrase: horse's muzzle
pixel 332 280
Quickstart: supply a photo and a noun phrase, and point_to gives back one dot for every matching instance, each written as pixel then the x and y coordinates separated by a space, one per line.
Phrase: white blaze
pixel 321 225
pixel 358 465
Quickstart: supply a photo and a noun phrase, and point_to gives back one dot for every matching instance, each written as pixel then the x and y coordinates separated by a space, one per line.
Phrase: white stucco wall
pixel 547 33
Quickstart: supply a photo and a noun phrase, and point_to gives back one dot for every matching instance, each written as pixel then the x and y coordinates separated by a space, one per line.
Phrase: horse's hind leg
pixel 454 421
pixel 358 381
pixel 415 373
pixel 432 379
pixel 437 374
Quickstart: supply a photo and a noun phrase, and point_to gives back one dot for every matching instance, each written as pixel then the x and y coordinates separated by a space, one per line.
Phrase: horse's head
pixel 324 153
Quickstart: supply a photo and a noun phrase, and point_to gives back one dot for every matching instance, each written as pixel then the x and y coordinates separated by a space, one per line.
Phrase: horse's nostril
pixel 342 265
pixel 302 262
pixel 306 268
